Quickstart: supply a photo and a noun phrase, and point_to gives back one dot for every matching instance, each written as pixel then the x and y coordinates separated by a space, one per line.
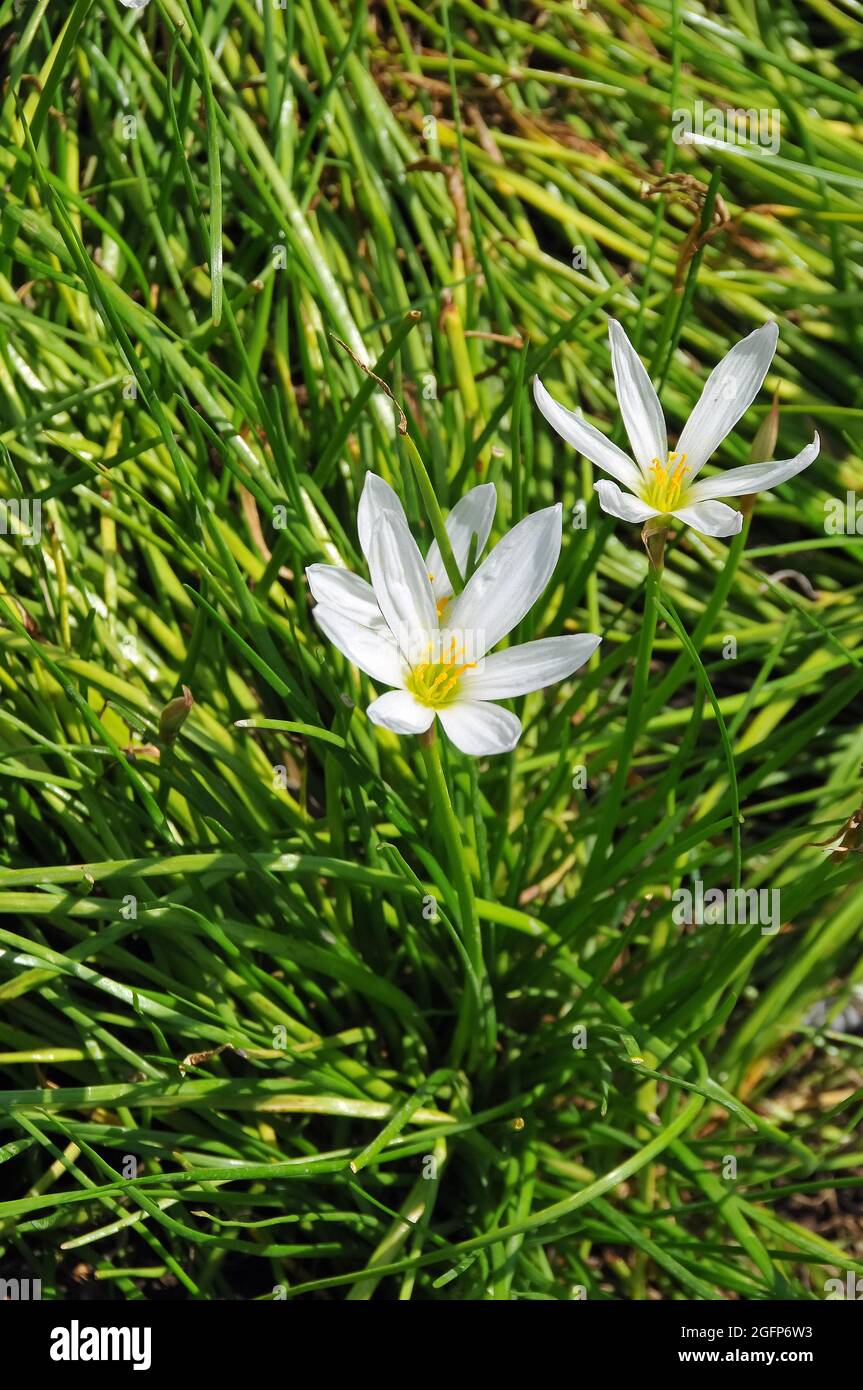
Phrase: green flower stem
pixel 633 720
pixel 452 834
pixel 680 668
pixel 329 459
pixel 681 302
pixel 434 514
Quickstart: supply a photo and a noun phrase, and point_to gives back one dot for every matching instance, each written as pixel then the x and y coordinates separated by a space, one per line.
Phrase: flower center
pixel 435 683
pixel 666 489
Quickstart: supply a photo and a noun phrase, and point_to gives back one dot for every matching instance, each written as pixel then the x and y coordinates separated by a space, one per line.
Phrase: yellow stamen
pixel 434 683
pixel 668 489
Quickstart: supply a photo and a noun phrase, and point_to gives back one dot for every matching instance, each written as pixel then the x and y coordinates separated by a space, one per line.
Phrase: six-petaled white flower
pixel 408 630
pixel 663 483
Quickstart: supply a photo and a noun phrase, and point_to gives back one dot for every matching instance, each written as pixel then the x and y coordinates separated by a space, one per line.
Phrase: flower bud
pixel 174 715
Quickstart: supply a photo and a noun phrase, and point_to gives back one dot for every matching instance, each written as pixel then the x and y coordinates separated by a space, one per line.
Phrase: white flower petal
pixel 753 477
pixel 639 403
pixel 711 518
pixel 586 439
pixel 377 496
pixel 352 596
pixel 401 584
pixel 508 582
pixel 528 667
pixel 729 391
pixel 399 711
pixel 622 504
pixel 471 516
pixel 480 729
pixel 375 652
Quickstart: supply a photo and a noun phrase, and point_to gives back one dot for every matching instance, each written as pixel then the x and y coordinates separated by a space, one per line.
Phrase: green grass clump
pixel 232 949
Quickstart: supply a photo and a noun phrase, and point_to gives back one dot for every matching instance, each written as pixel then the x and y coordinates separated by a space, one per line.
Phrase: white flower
pixel 407 630
pixel 662 483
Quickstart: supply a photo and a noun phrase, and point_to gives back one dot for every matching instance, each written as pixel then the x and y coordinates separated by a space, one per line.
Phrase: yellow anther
pixel 667 490
pixel 435 683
